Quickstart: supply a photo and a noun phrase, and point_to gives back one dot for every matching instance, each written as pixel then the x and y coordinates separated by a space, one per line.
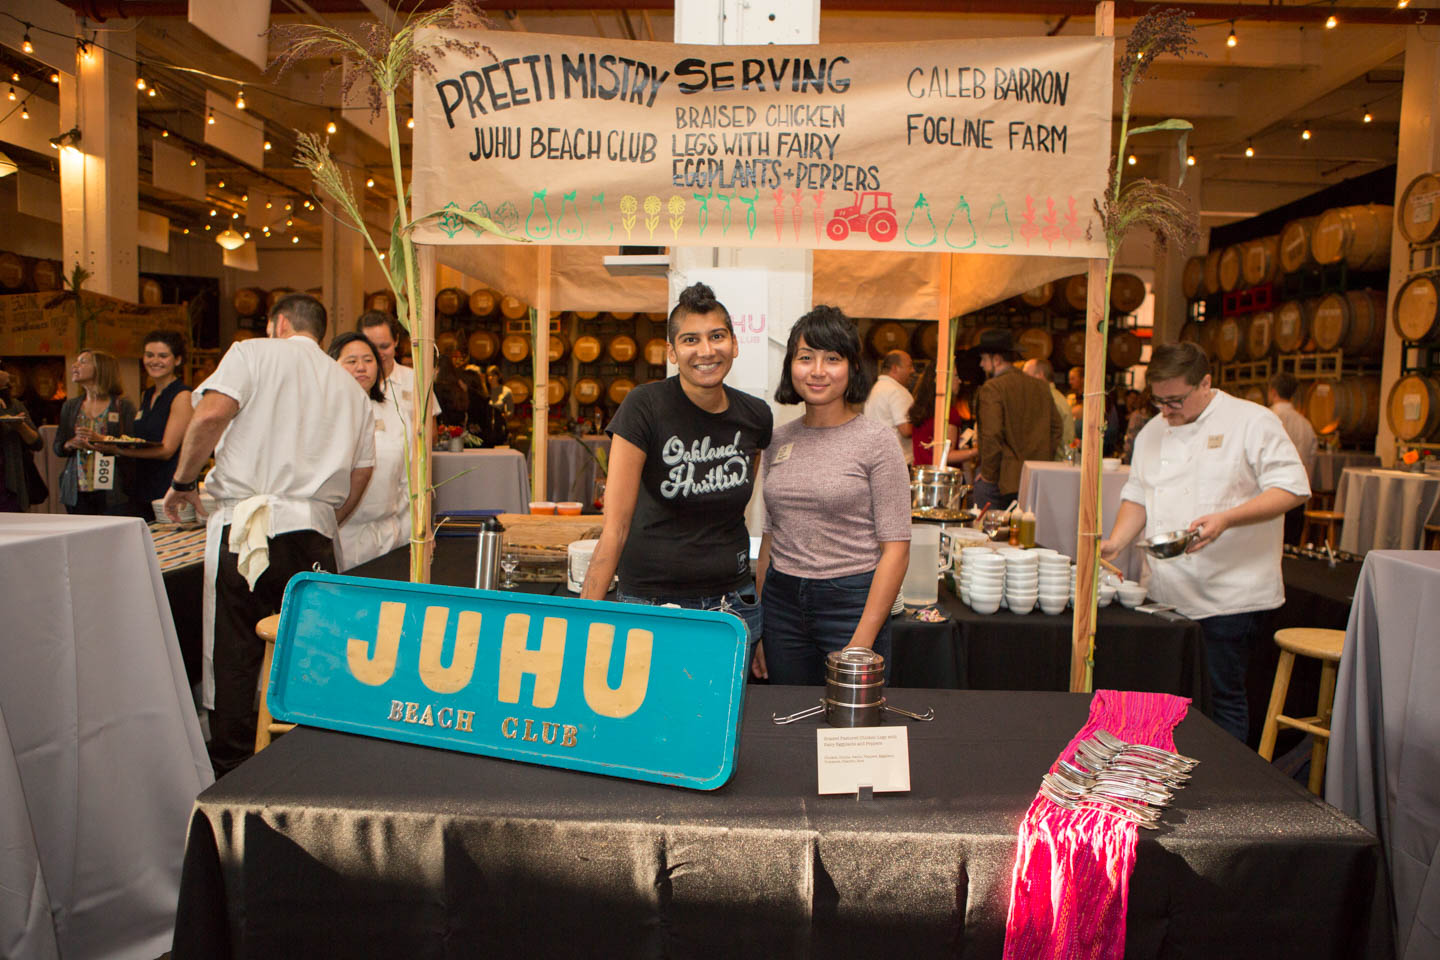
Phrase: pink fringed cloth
pixel 1071 885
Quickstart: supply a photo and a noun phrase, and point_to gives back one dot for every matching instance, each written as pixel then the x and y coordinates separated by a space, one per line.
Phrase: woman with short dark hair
pixel 163 418
pixel 837 510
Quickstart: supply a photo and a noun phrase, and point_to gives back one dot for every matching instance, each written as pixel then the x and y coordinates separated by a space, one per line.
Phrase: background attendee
pixel 1223 468
pixel 922 421
pixel 889 399
pixel 1075 378
pixel 398 385
pixel 1041 370
pixel 451 395
pixel 1141 411
pixel 500 396
pixel 682 467
pixel 18 442
pixel 837 510
pixel 482 419
pixel 46 394
pixel 1018 421
pixel 94 482
pixel 294 442
pixel 381 520
pixel 163 418
pixel 1302 434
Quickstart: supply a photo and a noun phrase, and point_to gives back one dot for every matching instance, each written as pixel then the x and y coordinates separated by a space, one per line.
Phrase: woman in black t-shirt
pixel 682 468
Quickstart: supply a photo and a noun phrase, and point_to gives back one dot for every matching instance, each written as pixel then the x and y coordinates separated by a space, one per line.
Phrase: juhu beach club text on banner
pixel 975 146
pixel 626 690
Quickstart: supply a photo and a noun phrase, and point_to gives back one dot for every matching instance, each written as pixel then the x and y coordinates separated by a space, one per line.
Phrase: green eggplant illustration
pixel 960 233
pixel 915 231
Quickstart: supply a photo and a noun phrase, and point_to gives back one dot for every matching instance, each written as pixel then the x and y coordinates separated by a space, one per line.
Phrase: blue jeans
pixel 807 619
pixel 985 491
pixel 741 603
pixel 1229 639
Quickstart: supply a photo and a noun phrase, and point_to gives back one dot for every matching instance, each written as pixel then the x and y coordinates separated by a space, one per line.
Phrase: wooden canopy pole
pixel 1087 540
pixel 540 363
pixel 944 360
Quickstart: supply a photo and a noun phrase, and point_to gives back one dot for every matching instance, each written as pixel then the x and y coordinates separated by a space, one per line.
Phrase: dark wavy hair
pixel 826 328
pixel 696 298
pixel 344 340
pixel 171 339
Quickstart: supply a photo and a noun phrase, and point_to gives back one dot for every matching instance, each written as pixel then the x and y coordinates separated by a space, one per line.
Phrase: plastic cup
pixel 542 507
pixel 568 508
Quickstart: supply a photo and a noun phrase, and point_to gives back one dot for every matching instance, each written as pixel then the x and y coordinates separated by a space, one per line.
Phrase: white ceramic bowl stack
pixel 982 579
pixel 1022 578
pixel 1056 581
pixel 1132 594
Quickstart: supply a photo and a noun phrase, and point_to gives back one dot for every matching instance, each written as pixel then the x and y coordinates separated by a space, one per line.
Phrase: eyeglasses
pixel 1173 403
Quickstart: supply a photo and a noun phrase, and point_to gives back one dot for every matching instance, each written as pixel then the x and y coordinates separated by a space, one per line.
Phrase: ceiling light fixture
pixel 66 140
pixel 229 239
pixel 1232 40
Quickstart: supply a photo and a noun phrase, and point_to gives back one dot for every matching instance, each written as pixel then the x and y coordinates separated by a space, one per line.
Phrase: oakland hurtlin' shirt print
pixel 688 536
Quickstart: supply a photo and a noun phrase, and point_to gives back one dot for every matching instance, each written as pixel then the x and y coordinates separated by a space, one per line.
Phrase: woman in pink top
pixel 837 510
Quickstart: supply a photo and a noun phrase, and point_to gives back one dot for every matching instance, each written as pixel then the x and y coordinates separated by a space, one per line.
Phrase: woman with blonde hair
pixel 94 482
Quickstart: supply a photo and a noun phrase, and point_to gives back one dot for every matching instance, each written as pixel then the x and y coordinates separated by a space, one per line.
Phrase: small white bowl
pixel 1110 463
pixel 984 606
pixel 1043 552
pixel 1020 605
pixel 1131 596
pixel 1051 606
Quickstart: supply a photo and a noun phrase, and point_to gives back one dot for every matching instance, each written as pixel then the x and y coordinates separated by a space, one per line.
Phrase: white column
pixel 1419 152
pixel 342 270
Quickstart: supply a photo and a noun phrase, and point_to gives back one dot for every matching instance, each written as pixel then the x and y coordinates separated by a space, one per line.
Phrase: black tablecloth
pixel 183 587
pixel 1008 651
pixel 334 845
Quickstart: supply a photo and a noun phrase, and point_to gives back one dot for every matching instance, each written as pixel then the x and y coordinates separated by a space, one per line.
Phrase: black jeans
pixel 238 651
pixel 807 619
pixel 1228 642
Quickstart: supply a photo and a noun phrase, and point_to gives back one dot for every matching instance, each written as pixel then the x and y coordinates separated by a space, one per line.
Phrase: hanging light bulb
pixel 1330 22
pixel 1249 149
pixel 24 111
pixel 370 182
pixel 185 230
pixel 1305 134
pixel 213 211
pixel 54 77
pixel 25 45
pixel 1132 160
pixel 1368 116
pixel 240 99
pixel 1232 40
pixel 289 223
pixel 12 93
pixel 207 228
pixel 193 161
pixel 220 185
pixel 1190 160
pixel 267 145
pixel 84 49
pixel 1401 4
pixel 410 124
pixel 246 234
pixel 268 204
pixel 164 133
pixel 151 91
pixel 140 82
pixel 235 216
pixel 210 118
pixel 294 239
pixel 244 198
pixel 15 76
pixel 382 256
pixel 330 127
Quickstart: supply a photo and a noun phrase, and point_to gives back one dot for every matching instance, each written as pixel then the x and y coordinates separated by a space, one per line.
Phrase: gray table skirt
pixel 1386 509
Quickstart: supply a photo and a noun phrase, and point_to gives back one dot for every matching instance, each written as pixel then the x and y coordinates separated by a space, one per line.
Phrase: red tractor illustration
pixel 872 213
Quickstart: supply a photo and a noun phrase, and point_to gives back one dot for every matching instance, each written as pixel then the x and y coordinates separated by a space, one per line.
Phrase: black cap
pixel 996 340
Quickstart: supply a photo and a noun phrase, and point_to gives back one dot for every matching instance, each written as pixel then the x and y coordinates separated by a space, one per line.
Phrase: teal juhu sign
pixel 625 690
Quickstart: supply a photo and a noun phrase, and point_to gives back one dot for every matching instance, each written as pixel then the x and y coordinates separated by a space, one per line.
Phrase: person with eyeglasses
pixel 1225 469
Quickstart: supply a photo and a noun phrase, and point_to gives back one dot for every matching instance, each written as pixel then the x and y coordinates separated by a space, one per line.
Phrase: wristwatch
pixel 184 487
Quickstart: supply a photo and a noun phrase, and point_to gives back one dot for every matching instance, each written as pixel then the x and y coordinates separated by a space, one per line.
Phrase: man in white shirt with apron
pixel 1224 468
pixel 294 442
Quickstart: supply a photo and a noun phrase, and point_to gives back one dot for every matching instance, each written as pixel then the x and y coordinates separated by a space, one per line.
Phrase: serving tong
pixel 1133 782
pixel 819 708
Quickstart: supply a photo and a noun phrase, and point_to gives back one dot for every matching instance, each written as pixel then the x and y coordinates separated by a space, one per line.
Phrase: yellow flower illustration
pixel 676 206
pixel 652 214
pixel 628 206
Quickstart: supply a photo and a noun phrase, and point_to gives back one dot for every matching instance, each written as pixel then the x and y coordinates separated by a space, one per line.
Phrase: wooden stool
pixel 265 726
pixel 1327 517
pixel 1323 500
pixel 1325 646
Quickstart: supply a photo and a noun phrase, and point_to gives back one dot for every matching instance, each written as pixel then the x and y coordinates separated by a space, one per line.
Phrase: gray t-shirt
pixel 832 496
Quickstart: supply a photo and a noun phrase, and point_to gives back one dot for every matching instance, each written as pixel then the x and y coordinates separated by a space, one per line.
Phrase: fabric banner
pixel 52 323
pixel 974 146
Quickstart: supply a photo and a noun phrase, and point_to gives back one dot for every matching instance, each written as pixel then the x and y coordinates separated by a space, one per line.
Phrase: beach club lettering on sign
pixel 975 146
pixel 627 690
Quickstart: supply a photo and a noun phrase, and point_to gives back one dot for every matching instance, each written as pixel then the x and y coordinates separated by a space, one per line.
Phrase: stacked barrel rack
pixel 1413 407
pixel 1309 301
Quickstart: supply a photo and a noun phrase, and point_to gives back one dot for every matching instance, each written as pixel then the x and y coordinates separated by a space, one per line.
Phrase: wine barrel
pixel 1073 348
pixel 1127 293
pixel 1291 331
pixel 556 390
pixel 275 296
pixel 446 344
pixel 622 315
pixel 1353 321
pixel 887 336
pixel 1255 393
pixel 1038 296
pixel 449 301
pixel 1232 258
pixel 1259 329
pixel 249 302
pixel 619 388
pixel 1360 236
pixel 621 349
pixel 244 333
pixel 1413 408
pixel 520 389
pixel 1192 280
pixel 484 304
pixel 1261 261
pixel 151 293
pixel 1295 244
pixel 1417 308
pixel 925 341
pixel 585 315
pixel 559 344
pixel 515 347
pixel 513 308
pixel 1194 332
pixel 484 344
pixel 1124 349
pixel 381 301
pixel 1420 209
pixel 1076 291
pixel 587 390
pixel 12 271
pixel 1034 343
pixel 587 350
pixel 1352 403
pixel 655 351
pixel 1227 339
pixel 1212 272
pixel 45 275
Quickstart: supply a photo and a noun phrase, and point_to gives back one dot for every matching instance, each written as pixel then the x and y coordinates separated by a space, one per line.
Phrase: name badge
pixel 113 417
pixel 379 426
pixel 783 453
pixel 1215 440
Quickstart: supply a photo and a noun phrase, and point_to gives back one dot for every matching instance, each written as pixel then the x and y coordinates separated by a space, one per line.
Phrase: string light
pixel 235 215
pixel 1330 22
pixel 330 127
pixel 164 133
pixel 1190 160
pixel 1132 160
pixel 1305 134
pixel 15 77
pixel 294 239
pixel 244 198
pixel 210 118
pixel 193 161
pixel 289 223
pixel 268 204
pixel 370 182
pixel 247 234
pixel 213 211
pixel 84 50
pixel 185 230
pixel 207 227
pixel 1401 4
pixel 267 145
pixel 54 77
pixel 140 82
pixel 24 111
pixel 1232 40
pixel 151 91
pixel 25 45
pixel 410 124
pixel 1249 149
pixel 382 256
pixel 12 93
pixel 240 99
pixel 220 185
pixel 1368 116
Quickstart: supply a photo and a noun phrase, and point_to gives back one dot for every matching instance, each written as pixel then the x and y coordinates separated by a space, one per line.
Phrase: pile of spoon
pixel 1131 781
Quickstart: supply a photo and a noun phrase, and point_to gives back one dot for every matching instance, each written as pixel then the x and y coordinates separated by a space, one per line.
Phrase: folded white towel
pixel 250 537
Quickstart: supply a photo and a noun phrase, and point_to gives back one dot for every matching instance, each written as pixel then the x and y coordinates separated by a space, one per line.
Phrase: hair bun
pixel 696 293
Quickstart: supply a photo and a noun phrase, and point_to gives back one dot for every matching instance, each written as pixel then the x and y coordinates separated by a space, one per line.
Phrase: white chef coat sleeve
pixel 234 377
pixel 1273 456
pixel 365 448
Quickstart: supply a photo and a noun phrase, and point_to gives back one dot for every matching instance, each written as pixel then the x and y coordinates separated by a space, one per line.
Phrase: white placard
pixel 241 258
pixel 746 294
pixel 172 172
pixel 153 231
pixel 35 196
pixel 848 758
pixel 239 25
pixel 234 131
